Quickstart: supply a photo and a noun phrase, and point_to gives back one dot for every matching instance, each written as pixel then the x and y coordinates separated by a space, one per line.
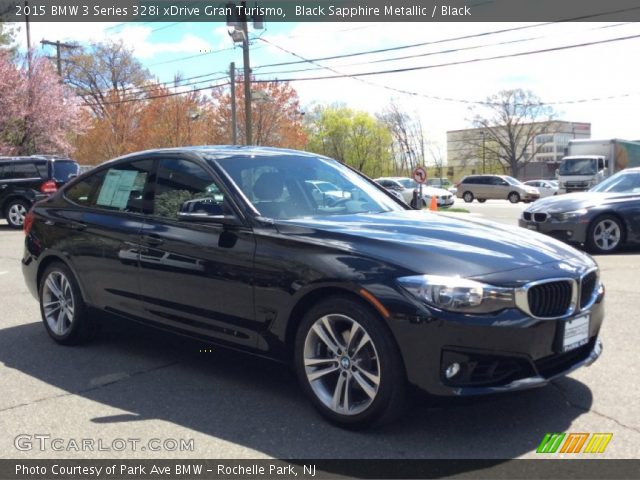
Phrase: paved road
pixel 137 384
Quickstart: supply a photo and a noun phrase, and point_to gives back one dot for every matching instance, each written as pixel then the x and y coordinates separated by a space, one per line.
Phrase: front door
pixel 196 276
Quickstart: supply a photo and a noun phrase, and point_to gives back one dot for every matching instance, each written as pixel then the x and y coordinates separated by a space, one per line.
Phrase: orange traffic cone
pixel 433 206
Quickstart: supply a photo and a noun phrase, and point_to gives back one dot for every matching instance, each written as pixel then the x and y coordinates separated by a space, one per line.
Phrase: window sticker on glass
pixel 117 187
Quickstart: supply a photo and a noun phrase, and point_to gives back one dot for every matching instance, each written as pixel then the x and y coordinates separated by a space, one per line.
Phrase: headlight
pixel 566 216
pixel 458 294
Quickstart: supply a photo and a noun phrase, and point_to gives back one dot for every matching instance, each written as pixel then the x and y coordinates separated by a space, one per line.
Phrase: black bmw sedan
pixel 360 294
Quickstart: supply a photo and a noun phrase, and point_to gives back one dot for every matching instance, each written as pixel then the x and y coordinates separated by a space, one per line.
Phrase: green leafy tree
pixel 352 137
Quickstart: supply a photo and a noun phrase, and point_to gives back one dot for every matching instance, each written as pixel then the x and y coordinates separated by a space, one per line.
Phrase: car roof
pixel 41 158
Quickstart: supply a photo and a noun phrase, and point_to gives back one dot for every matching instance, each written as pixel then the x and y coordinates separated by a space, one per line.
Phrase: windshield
pixel 407 183
pixel 63 170
pixel 578 166
pixel 512 181
pixel 621 182
pixel 287 186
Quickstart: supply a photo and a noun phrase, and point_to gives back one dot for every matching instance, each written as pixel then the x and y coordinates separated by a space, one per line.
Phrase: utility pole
pixel 28 29
pixel 247 82
pixel 237 18
pixel 59 46
pixel 234 128
pixel 483 150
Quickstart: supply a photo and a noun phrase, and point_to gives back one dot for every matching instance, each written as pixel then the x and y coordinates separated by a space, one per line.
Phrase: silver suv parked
pixel 495 187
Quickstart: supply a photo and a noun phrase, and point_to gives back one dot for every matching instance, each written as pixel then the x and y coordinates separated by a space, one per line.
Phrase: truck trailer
pixel 588 162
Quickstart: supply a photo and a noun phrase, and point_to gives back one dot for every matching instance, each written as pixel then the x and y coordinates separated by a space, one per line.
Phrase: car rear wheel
pixel 482 200
pixel 349 365
pixel 605 234
pixel 63 310
pixel 15 213
pixel 514 197
pixel 467 197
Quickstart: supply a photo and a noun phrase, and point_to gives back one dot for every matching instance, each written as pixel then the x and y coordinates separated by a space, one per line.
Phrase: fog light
pixel 452 370
pixel 569 233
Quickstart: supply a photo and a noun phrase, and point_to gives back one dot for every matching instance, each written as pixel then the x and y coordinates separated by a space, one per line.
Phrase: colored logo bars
pixel 573 443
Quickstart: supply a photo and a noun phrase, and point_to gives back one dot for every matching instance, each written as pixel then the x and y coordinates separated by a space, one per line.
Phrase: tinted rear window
pixel 63 170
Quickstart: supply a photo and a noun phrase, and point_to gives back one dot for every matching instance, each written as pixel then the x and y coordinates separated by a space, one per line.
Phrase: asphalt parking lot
pixel 132 383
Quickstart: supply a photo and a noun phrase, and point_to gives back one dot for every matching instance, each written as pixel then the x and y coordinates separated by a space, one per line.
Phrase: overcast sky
pixel 572 75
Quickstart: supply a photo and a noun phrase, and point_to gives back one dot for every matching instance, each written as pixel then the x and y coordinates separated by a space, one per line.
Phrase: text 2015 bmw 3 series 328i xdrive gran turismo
pixel 362 295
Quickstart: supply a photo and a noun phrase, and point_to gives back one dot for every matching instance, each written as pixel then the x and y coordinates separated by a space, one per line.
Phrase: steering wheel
pixel 336 203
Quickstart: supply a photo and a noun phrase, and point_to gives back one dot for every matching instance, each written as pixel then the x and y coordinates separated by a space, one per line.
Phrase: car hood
pixel 576 201
pixel 425 242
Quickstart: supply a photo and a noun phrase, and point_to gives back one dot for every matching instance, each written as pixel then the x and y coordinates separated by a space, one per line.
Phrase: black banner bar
pixel 318 469
pixel 319 10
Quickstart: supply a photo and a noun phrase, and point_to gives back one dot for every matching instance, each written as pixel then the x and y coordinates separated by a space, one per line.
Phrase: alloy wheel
pixel 341 364
pixel 607 235
pixel 58 303
pixel 17 212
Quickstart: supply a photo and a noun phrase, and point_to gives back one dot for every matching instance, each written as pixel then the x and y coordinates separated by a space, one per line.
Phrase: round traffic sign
pixel 420 174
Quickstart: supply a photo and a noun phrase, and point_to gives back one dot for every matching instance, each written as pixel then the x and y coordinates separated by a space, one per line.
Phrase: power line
pixel 419 55
pixel 452 39
pixel 447 64
pixel 156 97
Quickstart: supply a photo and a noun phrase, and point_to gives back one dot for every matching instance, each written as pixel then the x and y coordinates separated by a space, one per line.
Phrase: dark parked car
pixel 604 218
pixel 363 296
pixel 25 180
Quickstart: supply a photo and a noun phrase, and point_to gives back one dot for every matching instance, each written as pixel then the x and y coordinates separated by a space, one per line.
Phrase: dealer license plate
pixel 532 226
pixel 576 333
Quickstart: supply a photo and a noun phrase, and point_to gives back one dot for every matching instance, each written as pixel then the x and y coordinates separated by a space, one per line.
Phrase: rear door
pixel 101 233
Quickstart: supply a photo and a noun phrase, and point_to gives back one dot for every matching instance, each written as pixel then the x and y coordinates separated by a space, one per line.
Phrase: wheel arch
pixel 308 300
pixel 53 258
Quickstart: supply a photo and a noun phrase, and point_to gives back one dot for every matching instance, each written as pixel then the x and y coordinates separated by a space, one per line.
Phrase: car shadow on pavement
pixel 257 404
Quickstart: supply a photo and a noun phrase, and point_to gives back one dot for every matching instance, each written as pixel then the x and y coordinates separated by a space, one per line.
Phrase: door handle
pixel 152 240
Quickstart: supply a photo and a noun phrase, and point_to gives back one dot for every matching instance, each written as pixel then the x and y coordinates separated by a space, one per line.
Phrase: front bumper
pixel 504 352
pixel 571 232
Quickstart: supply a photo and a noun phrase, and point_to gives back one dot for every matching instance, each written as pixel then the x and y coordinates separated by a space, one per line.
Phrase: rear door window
pixel 120 188
pixel 24 170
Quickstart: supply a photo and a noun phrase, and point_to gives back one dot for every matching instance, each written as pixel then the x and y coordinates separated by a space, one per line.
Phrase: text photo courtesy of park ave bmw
pixel 319 239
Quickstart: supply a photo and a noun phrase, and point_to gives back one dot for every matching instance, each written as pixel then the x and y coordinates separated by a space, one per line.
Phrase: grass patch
pixel 454 210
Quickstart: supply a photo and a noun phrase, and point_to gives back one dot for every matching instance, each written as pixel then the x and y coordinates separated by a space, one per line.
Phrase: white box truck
pixel 588 162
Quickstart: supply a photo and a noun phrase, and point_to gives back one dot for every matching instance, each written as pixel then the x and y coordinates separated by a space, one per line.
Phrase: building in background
pixel 467 152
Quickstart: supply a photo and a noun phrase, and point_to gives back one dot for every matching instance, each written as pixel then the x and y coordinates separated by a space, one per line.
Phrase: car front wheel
pixel 467 197
pixel 349 365
pixel 605 234
pixel 514 197
pixel 16 212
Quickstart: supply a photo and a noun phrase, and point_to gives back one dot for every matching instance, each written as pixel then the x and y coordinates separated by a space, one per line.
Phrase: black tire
pixel 81 327
pixel 388 400
pixel 514 197
pixel 597 228
pixel 467 197
pixel 482 200
pixel 15 212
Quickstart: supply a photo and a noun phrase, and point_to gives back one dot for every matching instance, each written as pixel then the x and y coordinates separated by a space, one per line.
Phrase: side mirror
pixel 205 210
